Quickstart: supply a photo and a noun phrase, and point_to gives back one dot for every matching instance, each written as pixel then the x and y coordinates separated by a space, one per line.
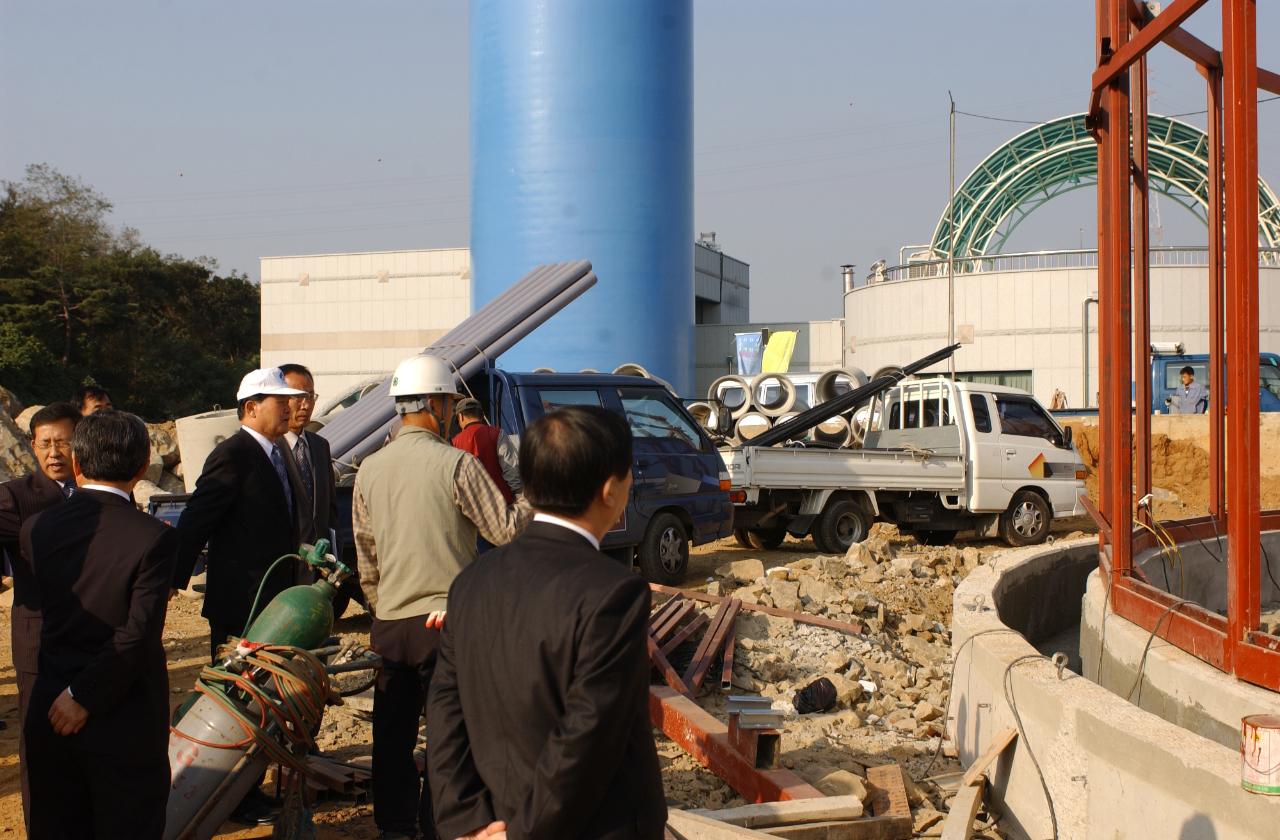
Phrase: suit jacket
pixel 538 712
pixel 103 570
pixel 21 499
pixel 314 520
pixel 240 511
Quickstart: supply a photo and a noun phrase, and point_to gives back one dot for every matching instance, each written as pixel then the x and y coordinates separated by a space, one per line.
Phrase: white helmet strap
pixel 411 405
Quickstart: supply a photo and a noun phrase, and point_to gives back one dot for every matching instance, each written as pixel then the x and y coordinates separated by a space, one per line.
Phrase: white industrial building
pixel 1031 320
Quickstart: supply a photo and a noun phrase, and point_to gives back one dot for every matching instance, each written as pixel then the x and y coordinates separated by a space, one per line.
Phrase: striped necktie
pixel 277 461
pixel 303 459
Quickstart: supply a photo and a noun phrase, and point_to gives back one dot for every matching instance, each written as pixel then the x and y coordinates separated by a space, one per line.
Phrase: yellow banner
pixel 777 354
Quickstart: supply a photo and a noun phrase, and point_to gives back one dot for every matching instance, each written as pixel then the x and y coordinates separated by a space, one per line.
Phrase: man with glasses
pixel 243 508
pixel 21 499
pixel 309 453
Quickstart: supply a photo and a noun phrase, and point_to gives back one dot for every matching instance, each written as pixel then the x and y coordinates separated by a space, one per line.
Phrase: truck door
pixel 1035 452
pixel 988 456
pixel 672 466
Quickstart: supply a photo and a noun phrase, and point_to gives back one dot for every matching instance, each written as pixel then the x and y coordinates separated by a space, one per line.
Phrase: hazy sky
pixel 240 129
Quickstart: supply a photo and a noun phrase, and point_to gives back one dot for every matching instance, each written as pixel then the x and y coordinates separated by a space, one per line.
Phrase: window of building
pixel 1020 379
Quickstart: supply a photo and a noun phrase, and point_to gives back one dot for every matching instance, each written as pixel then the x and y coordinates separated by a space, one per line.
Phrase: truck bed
pixel 778 468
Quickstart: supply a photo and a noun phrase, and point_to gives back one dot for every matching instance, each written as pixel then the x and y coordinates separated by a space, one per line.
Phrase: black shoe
pixel 256 810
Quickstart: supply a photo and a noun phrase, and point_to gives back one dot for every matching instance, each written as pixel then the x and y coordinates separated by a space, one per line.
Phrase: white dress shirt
pixel 105 489
pixel 266 445
pixel 572 526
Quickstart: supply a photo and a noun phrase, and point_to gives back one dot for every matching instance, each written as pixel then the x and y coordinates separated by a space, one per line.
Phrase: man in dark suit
pixel 98 731
pixel 243 508
pixel 571 754
pixel 21 499
pixel 318 516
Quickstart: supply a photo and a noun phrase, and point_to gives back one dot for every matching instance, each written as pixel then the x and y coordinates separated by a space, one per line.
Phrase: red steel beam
pixel 707 740
pixel 1268 81
pixel 712 642
pixel 1156 29
pixel 1141 285
pixel 1217 383
pixel 1240 140
pixel 695 624
pixel 1188 626
pixel 1105 226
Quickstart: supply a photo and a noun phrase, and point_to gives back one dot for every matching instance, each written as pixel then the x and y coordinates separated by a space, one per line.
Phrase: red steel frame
pixel 1118 100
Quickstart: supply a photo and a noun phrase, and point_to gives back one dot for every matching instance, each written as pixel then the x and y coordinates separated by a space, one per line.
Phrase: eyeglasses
pixel 309 396
pixel 46 445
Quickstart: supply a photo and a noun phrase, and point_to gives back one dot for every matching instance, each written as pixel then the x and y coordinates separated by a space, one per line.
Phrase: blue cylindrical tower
pixel 582 148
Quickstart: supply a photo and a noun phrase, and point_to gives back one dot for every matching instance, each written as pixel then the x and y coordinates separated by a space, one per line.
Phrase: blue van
pixel 680 496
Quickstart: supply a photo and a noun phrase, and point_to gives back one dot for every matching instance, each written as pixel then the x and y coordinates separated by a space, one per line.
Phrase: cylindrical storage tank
pixel 734 393
pixel 752 425
pixel 582 148
pixel 774 394
pixel 833 431
pixel 833 383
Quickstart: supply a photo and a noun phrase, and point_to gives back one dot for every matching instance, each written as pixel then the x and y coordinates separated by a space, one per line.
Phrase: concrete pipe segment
pixel 833 383
pixel 774 394
pixel 806 435
pixel 751 425
pixel 633 369
pixel 734 394
pixel 833 431
pixel 704 413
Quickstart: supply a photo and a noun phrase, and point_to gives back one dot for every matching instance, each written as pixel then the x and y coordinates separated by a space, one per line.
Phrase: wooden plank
pixel 867 828
pixel 998 744
pixel 664 667
pixel 711 643
pixel 889 791
pixel 682 635
pixel 768 814
pixel 964 808
pixel 694 827
pixel 804 618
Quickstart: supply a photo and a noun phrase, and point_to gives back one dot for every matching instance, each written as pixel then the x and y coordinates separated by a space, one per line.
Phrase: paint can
pixel 1260 754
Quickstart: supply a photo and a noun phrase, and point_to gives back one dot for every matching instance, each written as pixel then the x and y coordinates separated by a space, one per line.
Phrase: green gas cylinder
pixel 300 616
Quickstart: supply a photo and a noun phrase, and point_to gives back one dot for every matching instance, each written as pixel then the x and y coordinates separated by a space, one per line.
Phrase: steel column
pixel 1217 383
pixel 1240 136
pixel 1141 286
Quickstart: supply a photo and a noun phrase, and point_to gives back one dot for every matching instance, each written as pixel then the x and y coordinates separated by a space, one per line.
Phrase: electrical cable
pixel 1022 733
pixel 1042 122
pixel 1142 663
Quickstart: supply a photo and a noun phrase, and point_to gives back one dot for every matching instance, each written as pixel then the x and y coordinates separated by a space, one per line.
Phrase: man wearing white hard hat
pixel 243 508
pixel 417 508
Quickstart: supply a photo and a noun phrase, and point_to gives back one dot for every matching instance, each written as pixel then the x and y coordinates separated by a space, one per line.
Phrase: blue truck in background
pixel 1166 379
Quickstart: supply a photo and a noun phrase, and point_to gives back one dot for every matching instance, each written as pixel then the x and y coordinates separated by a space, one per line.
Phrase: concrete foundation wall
pixel 1112 769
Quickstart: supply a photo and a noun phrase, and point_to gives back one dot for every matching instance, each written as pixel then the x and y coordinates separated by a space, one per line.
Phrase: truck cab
pixel 1166 380
pixel 679 497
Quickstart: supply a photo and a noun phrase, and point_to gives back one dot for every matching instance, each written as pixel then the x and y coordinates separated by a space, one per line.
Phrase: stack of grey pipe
pixel 758 404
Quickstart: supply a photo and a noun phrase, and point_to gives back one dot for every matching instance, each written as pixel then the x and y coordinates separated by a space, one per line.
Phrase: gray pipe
pixel 1084 345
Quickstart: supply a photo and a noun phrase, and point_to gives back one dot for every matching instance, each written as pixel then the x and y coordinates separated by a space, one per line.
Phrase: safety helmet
pixel 422 375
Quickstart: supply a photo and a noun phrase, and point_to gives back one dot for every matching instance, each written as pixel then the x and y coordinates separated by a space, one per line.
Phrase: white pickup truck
pixel 938 457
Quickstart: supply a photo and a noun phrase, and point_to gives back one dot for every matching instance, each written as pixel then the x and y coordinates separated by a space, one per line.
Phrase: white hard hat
pixel 421 375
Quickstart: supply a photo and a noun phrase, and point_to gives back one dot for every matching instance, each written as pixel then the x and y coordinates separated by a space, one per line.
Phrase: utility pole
pixel 951 240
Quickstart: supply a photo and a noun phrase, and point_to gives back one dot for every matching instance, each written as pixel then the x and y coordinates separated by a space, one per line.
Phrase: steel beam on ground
pixel 1240 156
pixel 669 624
pixel 726 665
pixel 712 642
pixel 803 618
pixel 682 635
pixel 1217 383
pixel 1141 283
pixel 706 739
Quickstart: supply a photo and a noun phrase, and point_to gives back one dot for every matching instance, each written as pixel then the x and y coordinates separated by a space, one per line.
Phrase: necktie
pixel 278 462
pixel 303 458
pixel 68 489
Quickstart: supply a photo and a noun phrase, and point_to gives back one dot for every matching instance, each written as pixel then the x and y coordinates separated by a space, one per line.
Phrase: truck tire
pixel 841 525
pixel 743 538
pixel 1027 520
pixel 663 554
pixel 934 537
pixel 766 539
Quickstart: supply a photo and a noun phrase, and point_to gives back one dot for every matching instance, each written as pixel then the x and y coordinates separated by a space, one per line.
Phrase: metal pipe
pixel 951 242
pixel 1085 402
pixel 1141 285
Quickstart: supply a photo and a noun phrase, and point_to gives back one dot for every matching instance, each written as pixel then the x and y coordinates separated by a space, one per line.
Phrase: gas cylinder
pixel 300 616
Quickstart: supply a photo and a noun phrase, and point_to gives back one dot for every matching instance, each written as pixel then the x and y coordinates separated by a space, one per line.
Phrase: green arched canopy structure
pixel 1060 156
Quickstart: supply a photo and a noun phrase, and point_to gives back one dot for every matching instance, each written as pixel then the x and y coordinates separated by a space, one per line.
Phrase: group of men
pixel 530 664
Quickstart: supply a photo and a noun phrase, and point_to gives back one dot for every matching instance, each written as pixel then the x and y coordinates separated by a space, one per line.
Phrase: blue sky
pixel 242 129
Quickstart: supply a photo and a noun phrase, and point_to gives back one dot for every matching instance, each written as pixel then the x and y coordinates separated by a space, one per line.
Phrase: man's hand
pixel 66 715
pixel 492 831
pixel 435 621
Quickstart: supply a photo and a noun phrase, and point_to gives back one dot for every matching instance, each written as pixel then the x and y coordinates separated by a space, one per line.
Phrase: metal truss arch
pixel 1060 156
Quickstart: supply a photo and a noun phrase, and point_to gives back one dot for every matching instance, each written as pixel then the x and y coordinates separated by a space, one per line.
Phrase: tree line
pixel 82 302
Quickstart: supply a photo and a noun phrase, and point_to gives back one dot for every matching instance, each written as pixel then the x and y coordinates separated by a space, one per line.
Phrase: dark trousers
pixel 217 635
pixel 26 683
pixel 401 796
pixel 93 784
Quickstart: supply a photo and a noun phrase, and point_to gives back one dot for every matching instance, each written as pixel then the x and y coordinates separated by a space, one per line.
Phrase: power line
pixel 1042 122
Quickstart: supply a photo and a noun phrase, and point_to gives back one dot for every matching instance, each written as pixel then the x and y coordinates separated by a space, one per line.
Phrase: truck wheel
pixel 841 525
pixel 934 537
pixel 1027 520
pixel 663 554
pixel 743 538
pixel 766 539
